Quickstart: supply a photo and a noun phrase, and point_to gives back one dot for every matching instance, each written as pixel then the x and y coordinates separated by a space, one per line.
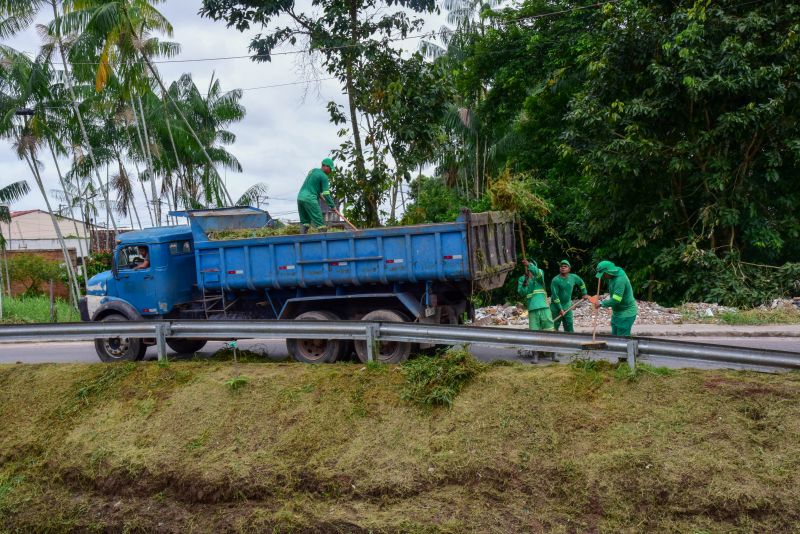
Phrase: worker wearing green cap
pixel 561 289
pixel 531 286
pixel 620 298
pixel 315 186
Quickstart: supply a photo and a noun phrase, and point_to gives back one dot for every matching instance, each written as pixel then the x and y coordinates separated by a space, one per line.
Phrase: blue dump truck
pixel 424 273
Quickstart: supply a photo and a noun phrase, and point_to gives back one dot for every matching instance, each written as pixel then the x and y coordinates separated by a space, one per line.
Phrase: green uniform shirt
pixel 533 288
pixel 620 299
pixel 316 184
pixel 561 289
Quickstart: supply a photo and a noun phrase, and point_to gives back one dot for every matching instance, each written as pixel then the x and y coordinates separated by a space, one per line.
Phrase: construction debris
pixel 650 313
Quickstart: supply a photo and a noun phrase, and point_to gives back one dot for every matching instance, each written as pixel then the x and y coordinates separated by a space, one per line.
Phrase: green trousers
pixel 310 212
pixel 566 320
pixel 540 319
pixel 621 326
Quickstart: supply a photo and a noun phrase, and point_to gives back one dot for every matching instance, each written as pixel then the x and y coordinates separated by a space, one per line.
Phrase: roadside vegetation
pixel 759 316
pixel 36 309
pixel 288 447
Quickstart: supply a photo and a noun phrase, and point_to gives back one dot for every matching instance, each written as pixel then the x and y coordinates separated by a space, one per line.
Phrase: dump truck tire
pixel 119 349
pixel 185 345
pixel 315 350
pixel 387 351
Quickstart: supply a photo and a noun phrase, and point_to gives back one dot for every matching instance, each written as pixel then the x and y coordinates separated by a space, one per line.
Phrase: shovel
pixel 594 344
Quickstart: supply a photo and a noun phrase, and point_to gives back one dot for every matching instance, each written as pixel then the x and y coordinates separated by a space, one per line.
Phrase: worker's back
pixel 316 183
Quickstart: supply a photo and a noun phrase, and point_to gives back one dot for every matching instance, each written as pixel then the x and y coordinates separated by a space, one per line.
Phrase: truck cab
pixel 152 274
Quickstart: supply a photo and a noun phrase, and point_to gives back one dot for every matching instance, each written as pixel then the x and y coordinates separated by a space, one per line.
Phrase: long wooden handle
pixel 337 212
pixel 353 226
pixel 596 312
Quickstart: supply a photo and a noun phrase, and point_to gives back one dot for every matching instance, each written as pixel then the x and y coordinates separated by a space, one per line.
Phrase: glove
pixel 595 301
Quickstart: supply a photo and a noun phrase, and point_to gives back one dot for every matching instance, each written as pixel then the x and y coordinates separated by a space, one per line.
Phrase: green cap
pixel 328 162
pixel 606 267
pixel 565 262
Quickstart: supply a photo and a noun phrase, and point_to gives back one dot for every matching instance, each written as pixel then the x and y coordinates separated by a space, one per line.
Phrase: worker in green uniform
pixel 316 185
pixel 561 289
pixel 620 298
pixel 531 286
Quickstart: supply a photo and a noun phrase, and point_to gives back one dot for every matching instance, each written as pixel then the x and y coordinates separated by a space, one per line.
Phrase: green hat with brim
pixel 606 267
pixel 328 162
pixel 565 262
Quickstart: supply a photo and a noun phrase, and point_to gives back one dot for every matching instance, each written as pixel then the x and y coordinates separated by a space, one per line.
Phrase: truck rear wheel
pixel 315 350
pixel 118 349
pixel 387 351
pixel 186 345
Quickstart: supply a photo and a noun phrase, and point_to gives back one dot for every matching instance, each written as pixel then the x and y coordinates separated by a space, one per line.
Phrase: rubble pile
pixel 650 313
pixel 786 304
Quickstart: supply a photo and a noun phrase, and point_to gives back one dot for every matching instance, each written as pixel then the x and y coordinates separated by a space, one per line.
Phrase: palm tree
pixel 121 29
pixel 25 83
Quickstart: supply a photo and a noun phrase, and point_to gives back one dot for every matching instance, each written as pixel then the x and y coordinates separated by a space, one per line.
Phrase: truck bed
pixel 477 247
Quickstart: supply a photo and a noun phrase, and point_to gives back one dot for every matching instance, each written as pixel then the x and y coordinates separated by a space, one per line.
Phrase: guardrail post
pixel 633 353
pixel 161 341
pixel 371 340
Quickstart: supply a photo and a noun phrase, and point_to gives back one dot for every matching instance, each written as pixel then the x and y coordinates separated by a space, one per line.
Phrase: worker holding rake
pixel 561 289
pixel 315 185
pixel 620 298
pixel 531 286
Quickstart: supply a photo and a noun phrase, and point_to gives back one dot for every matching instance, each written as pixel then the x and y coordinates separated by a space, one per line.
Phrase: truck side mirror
pixel 114 269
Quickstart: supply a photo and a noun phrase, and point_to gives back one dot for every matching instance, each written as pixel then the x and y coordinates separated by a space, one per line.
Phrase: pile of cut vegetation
pixel 435 446
pixel 265 231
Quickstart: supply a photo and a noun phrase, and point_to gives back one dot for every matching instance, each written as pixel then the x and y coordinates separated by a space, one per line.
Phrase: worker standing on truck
pixel 620 298
pixel 531 286
pixel 315 186
pixel 561 289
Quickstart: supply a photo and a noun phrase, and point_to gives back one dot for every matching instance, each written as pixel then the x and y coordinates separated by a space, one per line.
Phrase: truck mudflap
pixel 83 308
pixel 492 247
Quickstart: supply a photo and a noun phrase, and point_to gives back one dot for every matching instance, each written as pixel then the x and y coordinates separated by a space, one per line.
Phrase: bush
pixel 32 271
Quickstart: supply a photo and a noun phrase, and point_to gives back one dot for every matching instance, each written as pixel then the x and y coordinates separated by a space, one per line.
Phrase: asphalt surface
pixel 83 352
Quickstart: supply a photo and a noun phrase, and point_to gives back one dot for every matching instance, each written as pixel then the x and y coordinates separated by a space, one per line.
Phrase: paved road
pixel 81 351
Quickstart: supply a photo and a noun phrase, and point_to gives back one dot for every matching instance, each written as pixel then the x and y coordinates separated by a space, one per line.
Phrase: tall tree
pixel 346 34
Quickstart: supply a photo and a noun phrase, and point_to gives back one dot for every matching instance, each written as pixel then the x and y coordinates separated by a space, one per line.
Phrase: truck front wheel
pixel 118 349
pixel 315 350
pixel 387 351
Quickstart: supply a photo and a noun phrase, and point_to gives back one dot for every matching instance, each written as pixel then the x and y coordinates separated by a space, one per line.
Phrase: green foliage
pixel 761 317
pixel 436 381
pixel 237 382
pixel 98 262
pixel 33 271
pixel 36 309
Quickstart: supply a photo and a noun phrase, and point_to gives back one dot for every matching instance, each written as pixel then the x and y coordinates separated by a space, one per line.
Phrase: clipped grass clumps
pixel 436 380
pixel 334 448
pixel 757 316
pixel 248 233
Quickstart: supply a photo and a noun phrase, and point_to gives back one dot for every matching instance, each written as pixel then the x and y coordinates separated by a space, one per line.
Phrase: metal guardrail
pixel 373 332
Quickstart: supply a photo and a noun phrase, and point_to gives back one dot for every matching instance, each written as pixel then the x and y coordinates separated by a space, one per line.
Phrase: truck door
pixel 136 283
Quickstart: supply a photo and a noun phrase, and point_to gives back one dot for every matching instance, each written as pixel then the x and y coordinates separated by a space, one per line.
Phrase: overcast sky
pixel 285 133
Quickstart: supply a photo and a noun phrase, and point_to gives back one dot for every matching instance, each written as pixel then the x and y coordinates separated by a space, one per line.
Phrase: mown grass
pixel 335 448
pixel 761 317
pixel 36 310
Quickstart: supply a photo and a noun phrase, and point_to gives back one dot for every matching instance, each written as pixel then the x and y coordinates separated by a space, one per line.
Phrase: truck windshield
pixel 134 257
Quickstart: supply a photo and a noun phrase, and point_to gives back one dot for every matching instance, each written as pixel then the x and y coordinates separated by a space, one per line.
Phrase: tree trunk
pixel 149 155
pixel 74 102
pixel 72 213
pixel 361 169
pixel 74 291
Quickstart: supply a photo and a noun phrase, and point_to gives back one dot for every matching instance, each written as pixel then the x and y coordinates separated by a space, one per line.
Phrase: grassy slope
pixel 333 448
